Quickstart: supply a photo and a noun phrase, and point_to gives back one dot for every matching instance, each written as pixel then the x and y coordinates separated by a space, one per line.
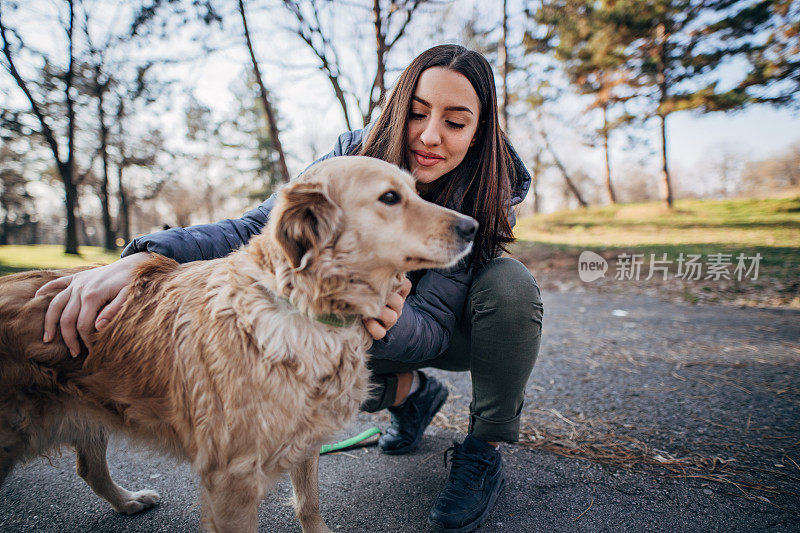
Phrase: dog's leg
pixel 207 524
pixel 305 484
pixel 93 468
pixel 230 501
pixel 6 464
pixel 13 449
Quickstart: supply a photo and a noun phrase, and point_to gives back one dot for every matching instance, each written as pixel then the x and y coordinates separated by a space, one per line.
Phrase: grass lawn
pixel 44 256
pixel 769 226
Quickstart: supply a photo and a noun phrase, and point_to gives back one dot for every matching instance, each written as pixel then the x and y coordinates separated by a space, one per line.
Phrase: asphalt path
pixel 720 386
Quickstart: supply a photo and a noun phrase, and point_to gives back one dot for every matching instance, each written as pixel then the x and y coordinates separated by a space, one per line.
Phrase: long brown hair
pixel 480 185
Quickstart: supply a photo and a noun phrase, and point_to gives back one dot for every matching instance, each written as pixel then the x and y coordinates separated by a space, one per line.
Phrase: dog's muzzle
pixel 465 228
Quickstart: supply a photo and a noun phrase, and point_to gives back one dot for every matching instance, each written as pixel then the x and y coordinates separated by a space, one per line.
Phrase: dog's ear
pixel 308 221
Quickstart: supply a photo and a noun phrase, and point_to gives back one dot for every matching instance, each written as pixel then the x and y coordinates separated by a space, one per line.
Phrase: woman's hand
pixel 377 327
pixel 77 307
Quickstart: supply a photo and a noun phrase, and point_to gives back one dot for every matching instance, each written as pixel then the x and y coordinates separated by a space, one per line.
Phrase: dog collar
pixel 337 321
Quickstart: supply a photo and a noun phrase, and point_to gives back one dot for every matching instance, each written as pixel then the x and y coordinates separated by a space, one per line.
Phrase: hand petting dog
pixel 377 327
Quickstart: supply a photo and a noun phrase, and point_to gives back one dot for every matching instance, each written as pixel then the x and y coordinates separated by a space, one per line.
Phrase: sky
pixel 758 132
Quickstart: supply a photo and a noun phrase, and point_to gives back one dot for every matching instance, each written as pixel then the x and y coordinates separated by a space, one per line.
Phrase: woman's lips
pixel 426 159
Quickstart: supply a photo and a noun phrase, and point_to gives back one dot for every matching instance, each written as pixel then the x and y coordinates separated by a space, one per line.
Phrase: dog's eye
pixel 389 198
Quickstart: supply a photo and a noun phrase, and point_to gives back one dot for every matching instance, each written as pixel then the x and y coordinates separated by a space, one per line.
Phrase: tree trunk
pixel 109 241
pixel 71 203
pixel 661 79
pixel 609 189
pixel 337 89
pixel 5 230
pixel 68 172
pixel 379 83
pixel 502 59
pixel 570 184
pixel 537 172
pixel 123 213
pixel 123 204
pixel 268 110
pixel 666 186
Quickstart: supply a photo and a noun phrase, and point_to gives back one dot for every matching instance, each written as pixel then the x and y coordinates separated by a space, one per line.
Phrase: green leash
pixel 362 439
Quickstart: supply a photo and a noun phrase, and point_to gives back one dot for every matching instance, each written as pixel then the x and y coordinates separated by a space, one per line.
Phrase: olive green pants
pixel 497 341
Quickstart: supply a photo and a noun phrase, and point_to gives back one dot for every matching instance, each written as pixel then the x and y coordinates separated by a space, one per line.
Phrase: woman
pixel 483 316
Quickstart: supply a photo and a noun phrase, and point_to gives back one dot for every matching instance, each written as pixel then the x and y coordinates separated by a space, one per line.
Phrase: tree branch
pixel 46 131
pixel 270 112
pixel 330 67
pixel 414 5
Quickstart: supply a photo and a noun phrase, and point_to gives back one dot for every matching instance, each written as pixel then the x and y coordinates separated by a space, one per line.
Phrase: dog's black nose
pixel 466 228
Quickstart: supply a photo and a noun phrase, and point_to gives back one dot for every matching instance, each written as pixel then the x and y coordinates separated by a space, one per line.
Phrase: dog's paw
pixel 315 526
pixel 323 529
pixel 138 501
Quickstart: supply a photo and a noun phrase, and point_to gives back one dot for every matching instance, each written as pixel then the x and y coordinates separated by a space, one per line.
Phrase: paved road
pixel 692 383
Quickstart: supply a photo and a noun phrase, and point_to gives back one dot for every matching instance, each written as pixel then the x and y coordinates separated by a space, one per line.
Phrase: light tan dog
pixel 238 364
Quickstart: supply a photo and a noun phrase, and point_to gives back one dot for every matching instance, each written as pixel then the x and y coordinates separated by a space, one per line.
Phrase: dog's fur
pixel 222 362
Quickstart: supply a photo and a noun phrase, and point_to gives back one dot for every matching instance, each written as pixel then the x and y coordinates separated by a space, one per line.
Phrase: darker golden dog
pixel 236 364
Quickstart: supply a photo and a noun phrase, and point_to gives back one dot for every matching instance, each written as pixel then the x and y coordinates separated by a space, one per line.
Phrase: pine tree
pixel 682 53
pixel 682 47
pixel 592 49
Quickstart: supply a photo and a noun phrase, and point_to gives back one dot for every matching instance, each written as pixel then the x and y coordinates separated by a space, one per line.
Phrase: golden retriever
pixel 234 364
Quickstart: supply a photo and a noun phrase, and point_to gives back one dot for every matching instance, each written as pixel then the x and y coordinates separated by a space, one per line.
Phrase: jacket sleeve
pixel 429 317
pixel 205 241
pixel 346 143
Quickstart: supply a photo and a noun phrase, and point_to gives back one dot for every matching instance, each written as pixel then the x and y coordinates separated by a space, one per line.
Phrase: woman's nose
pixel 430 136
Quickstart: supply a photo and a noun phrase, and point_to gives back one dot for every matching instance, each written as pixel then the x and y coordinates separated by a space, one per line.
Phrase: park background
pixel 663 402
pixel 120 118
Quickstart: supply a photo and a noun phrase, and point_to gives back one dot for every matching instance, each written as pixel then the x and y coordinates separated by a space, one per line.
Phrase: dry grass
pixel 556 269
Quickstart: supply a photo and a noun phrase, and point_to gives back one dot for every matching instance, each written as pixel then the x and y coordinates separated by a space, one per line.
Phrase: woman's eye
pixel 455 125
pixel 389 198
pixel 416 116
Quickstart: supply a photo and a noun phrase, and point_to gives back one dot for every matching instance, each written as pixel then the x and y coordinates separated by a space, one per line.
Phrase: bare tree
pixel 387 33
pixel 502 60
pixel 568 180
pixel 131 153
pixel 264 94
pixel 65 161
pixel 316 38
pixel 99 86
pixel 16 203
pixel 381 20
pixel 773 175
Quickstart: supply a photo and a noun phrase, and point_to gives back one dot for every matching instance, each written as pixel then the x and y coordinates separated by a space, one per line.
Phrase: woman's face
pixel 442 123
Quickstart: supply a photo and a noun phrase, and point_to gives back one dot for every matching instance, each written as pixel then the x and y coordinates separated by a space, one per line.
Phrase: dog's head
pixel 366 212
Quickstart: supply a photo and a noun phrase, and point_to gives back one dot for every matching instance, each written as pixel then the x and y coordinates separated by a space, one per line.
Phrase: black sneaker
pixel 410 419
pixel 476 479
